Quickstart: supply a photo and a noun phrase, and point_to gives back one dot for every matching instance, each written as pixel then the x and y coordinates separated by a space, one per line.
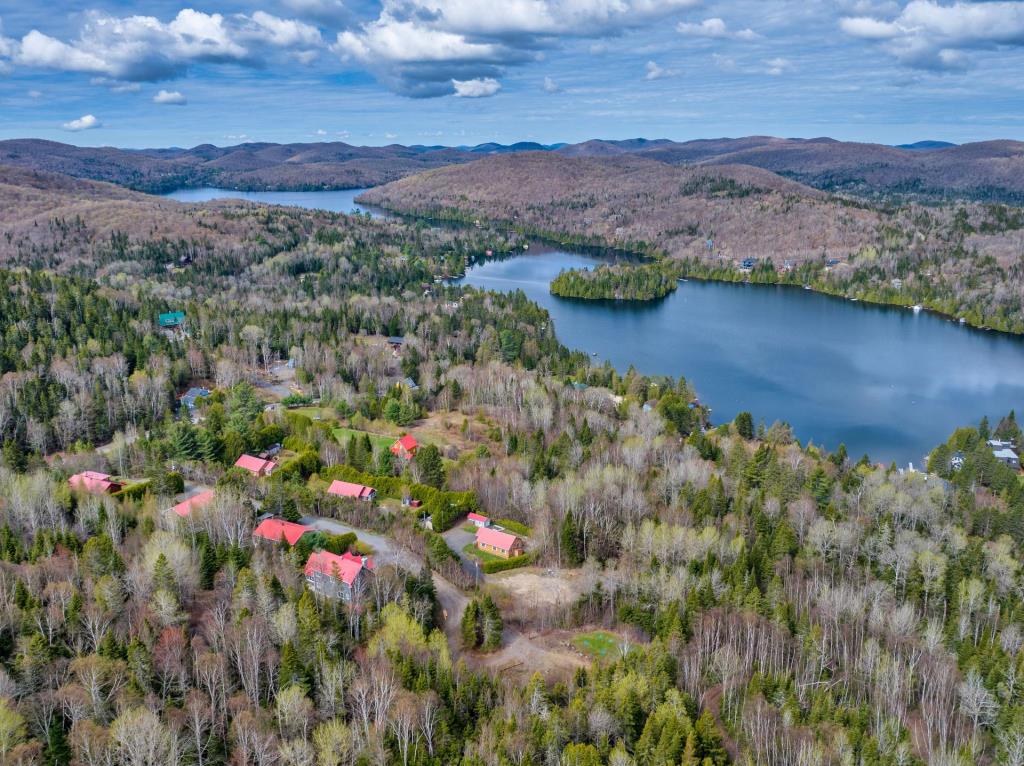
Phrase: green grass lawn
pixel 599 643
pixel 470 527
pixel 379 442
pixel 324 413
pixel 484 556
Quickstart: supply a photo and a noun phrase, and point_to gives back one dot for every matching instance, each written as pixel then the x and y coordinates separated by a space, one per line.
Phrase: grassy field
pixel 598 643
pixel 315 413
pixel 379 442
pixel 471 550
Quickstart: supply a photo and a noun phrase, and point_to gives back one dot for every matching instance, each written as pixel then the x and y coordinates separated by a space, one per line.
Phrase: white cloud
pixel 170 98
pixel 550 86
pixel 327 12
pixel 482 87
pixel 320 132
pixel 418 47
pixel 35 94
pixel 656 72
pixel 714 28
pixel 778 66
pixel 145 49
pixel 927 35
pixel 85 122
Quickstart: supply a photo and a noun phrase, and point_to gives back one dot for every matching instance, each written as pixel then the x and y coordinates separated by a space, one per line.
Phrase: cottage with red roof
pixel 255 465
pixel 479 519
pixel 348 489
pixel 333 576
pixel 273 530
pixel 497 543
pixel 185 507
pixel 94 482
pixel 405 447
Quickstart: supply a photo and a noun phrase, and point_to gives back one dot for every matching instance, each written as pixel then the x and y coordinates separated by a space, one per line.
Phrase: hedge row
pixel 491 567
pixel 514 526
pixel 443 507
pixel 133 491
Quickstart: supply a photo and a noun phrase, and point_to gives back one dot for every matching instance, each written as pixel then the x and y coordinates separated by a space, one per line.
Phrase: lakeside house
pixel 255 465
pixel 405 447
pixel 334 576
pixel 349 489
pixel 1007 456
pixel 1001 444
pixel 272 530
pixel 498 543
pixel 957 461
pixel 479 520
pixel 95 482
pixel 185 507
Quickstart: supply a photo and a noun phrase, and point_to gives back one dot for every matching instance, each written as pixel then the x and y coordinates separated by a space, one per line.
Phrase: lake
pixel 885 381
pixel 342 201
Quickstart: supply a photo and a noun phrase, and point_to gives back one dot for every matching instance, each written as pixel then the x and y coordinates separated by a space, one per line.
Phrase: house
pixel 1007 456
pixel 748 264
pixel 1001 444
pixel 411 384
pixel 273 530
pixel 897 283
pixel 95 482
pixel 479 519
pixel 334 576
pixel 396 342
pixel 255 465
pixel 185 507
pixel 189 397
pixel 957 461
pixel 405 447
pixel 497 543
pixel 348 489
pixel 171 319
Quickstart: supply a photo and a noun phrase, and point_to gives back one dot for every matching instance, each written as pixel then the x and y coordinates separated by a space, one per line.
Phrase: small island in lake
pixel 623 282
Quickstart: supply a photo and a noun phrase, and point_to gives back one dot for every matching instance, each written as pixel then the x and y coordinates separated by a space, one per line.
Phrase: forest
pixel 621 282
pixel 761 601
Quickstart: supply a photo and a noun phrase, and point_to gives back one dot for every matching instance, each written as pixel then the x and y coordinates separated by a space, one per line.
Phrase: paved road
pixel 457 539
pixel 452 600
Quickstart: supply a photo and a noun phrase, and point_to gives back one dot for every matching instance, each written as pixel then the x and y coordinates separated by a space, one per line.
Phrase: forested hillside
pixel 739 222
pixel 690 593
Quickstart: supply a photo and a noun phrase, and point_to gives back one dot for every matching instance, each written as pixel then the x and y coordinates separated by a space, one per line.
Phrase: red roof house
pixel 348 489
pixel 94 481
pixel 274 529
pixel 498 543
pixel 331 575
pixel 185 507
pixel 405 447
pixel 255 465
pixel 479 519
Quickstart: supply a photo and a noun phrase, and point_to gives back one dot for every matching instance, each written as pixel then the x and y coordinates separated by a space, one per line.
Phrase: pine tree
pixel 470 626
pixel 184 444
pixel 430 465
pixel 209 446
pixel 208 566
pixel 492 624
pixel 568 541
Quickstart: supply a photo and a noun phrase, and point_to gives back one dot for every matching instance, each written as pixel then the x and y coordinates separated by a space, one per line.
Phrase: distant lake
pixel 885 381
pixel 341 201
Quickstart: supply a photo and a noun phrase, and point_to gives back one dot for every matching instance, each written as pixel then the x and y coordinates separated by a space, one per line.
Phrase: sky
pixel 156 73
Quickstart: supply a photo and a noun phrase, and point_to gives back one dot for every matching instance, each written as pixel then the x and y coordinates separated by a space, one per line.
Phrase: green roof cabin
pixel 172 319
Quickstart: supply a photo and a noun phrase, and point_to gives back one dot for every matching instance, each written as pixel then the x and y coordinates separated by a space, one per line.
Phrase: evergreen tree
pixel 431 467
pixel 569 542
pixel 470 626
pixel 744 423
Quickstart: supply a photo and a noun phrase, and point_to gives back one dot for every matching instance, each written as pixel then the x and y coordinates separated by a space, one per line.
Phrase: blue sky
pixel 159 73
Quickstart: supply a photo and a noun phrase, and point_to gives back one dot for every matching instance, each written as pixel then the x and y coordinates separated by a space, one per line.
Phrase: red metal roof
pixel 501 540
pixel 407 443
pixel 348 489
pixel 472 516
pixel 93 481
pixel 345 567
pixel 255 465
pixel 185 507
pixel 275 529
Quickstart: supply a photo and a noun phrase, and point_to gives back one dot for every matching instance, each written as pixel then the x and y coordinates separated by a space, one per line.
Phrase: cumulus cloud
pixel 170 98
pixel 550 86
pixel 419 47
pixel 145 49
pixel 481 87
pixel 714 28
pixel 85 122
pixel 927 35
pixel 656 72
pixel 35 94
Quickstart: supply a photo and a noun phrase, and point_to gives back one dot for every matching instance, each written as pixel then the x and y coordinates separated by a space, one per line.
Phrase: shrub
pixel 503 565
pixel 514 526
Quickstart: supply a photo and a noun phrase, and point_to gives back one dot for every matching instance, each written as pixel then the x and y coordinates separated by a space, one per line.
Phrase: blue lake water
pixel 342 201
pixel 884 381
